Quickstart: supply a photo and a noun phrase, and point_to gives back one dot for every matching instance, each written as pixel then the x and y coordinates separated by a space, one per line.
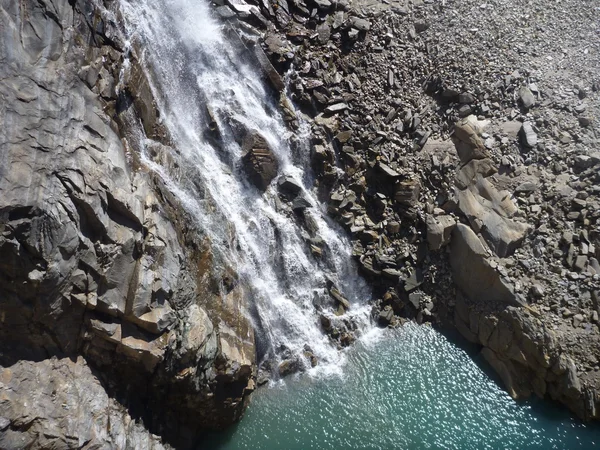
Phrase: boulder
pixel 386 315
pixel 526 97
pixel 489 211
pixel 407 192
pixel 472 272
pixel 439 231
pixel 157 320
pixel 342 302
pixel 387 171
pixel 259 161
pixel 528 136
pixel 467 140
pixel 289 186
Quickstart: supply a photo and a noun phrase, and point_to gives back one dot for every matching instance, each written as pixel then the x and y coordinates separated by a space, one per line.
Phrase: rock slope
pixel 457 142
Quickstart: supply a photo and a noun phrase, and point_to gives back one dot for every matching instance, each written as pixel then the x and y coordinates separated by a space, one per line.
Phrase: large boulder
pixel 259 161
pixel 473 273
pixel 467 140
pixel 490 211
pixel 439 231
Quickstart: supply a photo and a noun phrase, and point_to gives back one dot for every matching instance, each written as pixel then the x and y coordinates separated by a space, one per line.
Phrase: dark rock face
pixel 92 256
pixel 258 161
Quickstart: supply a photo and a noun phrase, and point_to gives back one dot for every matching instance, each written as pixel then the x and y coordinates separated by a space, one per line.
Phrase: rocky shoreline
pixel 457 143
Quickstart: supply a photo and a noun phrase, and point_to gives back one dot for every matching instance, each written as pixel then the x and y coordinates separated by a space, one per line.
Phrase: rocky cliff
pixel 110 324
pixel 462 161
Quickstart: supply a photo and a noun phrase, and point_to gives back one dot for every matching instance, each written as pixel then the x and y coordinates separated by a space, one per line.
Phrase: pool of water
pixel 402 389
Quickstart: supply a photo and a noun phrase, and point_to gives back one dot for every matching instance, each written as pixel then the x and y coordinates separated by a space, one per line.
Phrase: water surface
pixel 407 389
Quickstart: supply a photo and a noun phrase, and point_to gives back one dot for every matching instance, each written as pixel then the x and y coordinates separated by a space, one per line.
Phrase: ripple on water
pixel 409 389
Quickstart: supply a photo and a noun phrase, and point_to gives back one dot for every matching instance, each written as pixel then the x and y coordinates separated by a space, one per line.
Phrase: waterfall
pixel 194 68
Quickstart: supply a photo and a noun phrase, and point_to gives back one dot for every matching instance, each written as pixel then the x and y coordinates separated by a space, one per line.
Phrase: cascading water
pixel 195 69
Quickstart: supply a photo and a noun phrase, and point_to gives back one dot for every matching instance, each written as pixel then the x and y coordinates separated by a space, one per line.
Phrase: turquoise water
pixel 408 389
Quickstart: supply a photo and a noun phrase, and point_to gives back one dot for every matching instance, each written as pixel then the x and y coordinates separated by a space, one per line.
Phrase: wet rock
pixel 288 367
pixel 289 186
pixel 342 302
pixel 267 68
pixel 258 161
pixel 386 316
pixel 300 204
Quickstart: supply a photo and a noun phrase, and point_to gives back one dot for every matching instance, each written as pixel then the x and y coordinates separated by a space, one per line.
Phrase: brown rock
pixel 472 272
pixel 258 161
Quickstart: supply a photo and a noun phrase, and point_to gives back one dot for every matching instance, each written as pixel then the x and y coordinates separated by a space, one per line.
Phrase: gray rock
pixel 387 171
pixel 537 291
pixel 258 161
pixel 439 231
pixel 527 98
pixel 407 192
pixel 386 315
pixel 360 24
pixel 528 136
pixel 289 186
pixel 300 204
pixel 564 137
pixel 490 211
pixel 467 140
pixel 55 389
pixel 336 108
pixel 323 5
pixel 466 98
pixel 339 298
pixel 472 272
pixel 580 263
pixel 393 227
pixel 415 299
pixel 324 32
